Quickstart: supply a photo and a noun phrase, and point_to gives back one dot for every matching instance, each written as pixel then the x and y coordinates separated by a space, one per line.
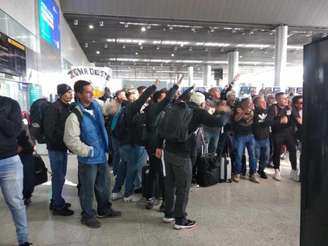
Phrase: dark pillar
pixel 314 164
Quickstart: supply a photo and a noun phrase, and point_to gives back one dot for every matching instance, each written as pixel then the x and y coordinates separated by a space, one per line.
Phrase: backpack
pixel 140 133
pixel 174 127
pixel 37 113
pixel 119 126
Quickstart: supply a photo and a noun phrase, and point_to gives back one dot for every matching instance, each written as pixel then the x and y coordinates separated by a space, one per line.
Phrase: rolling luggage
pixel 208 170
pixel 225 169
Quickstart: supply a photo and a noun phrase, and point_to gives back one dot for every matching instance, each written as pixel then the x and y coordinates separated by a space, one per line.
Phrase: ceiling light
pixel 171 28
pixel 140 43
pixel 91 26
pixel 123 46
pixel 182 44
pixel 143 29
pixel 172 55
pixel 97 52
pixel 110 40
pixel 157 48
pixel 76 22
pixel 101 23
pixel 126 25
pixel 137 53
pixel 227 28
pixel 251 33
pixel 86 45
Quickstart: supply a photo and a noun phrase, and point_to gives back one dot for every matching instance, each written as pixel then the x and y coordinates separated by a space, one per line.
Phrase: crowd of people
pixel 138 127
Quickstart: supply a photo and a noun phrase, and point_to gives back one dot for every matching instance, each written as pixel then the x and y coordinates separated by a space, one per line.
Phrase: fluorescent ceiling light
pixel 110 40
pixel 91 26
pixel 143 29
pixel 260 46
pixel 295 47
pixel 209 44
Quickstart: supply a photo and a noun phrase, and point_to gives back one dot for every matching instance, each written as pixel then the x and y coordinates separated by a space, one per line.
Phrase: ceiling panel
pixel 273 12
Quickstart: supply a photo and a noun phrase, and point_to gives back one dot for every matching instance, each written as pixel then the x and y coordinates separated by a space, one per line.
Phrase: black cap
pixel 62 89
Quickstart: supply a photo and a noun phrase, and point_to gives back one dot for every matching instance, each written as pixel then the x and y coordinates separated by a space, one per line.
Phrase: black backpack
pixel 120 129
pixel 174 126
pixel 140 132
pixel 37 113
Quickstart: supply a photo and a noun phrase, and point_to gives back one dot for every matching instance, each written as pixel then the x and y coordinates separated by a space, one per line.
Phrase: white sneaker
pixel 294 175
pixel 277 175
pixel 117 196
pixel 168 220
pixel 132 198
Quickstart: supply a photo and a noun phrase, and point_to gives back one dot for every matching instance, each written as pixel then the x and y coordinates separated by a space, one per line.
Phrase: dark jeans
pixel 116 154
pixel 241 142
pixel 279 139
pixel 177 185
pixel 58 163
pixel 28 170
pixel 157 185
pixel 262 151
pixel 94 179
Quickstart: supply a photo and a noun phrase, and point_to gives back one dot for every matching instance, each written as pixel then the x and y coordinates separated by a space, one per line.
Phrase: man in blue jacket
pixel 85 135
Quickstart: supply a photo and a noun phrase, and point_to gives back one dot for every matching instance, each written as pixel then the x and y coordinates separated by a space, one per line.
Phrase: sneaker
pixel 150 204
pixel 236 178
pixel 62 212
pixel 168 220
pixel 110 213
pixel 132 198
pixel 253 179
pixel 117 196
pixel 138 191
pixel 294 175
pixel 67 205
pixel 91 222
pixel 25 244
pixel 277 175
pixel 188 224
pixel 263 175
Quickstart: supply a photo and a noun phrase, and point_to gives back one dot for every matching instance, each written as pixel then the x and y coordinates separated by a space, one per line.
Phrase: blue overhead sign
pixel 49 22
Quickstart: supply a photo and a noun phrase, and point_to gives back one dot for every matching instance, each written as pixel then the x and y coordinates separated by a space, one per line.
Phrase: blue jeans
pixel 262 151
pixel 212 136
pixel 240 143
pixel 58 163
pixel 11 183
pixel 133 158
pixel 94 179
pixel 116 154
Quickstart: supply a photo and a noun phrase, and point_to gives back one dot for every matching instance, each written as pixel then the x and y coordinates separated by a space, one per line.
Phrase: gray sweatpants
pixel 177 185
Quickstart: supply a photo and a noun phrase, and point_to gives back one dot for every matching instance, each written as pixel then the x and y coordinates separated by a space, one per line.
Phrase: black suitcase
pixel 40 170
pixel 208 170
pixel 146 182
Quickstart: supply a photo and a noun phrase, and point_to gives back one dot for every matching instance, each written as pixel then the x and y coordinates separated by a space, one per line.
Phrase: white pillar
pixel 207 75
pixel 190 76
pixel 233 64
pixel 280 53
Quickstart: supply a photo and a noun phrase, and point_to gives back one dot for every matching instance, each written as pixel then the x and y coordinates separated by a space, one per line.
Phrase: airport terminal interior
pixel 163 122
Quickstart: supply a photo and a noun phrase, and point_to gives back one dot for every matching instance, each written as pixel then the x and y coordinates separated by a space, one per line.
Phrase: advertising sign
pixel 98 76
pixel 49 22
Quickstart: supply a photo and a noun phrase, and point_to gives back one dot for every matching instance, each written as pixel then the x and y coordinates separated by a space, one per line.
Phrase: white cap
pixel 198 98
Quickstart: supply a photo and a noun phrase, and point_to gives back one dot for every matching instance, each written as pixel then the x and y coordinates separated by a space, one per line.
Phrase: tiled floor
pixel 244 214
